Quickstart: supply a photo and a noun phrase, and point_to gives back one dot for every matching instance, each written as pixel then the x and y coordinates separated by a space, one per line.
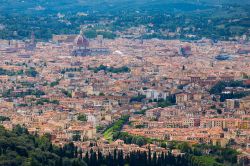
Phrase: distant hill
pixel 221 19
pixel 52 6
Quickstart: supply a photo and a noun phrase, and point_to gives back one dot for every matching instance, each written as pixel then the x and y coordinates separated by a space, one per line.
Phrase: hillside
pixel 50 6
pixel 18 148
pixel 196 18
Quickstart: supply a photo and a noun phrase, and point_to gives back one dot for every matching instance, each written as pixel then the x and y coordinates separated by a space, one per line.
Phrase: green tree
pixel 76 137
pixel 82 117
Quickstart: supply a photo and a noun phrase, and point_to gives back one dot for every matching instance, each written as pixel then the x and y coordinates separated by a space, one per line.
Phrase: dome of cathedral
pixel 81 41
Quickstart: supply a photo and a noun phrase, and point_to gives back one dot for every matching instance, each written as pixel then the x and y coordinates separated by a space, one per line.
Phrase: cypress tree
pixel 50 149
pixel 100 158
pixel 127 159
pixel 161 159
pixel 149 156
pixel 94 159
pixel 86 158
pixel 76 152
pixel 80 153
pixel 154 159
pixel 109 159
pixel 132 159
pixel 166 159
pixel 120 158
pixel 115 157
pixel 144 158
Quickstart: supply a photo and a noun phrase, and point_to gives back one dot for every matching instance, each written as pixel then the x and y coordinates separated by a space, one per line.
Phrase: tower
pixel 141 31
pixel 32 39
pixel 100 40
pixel 30 45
